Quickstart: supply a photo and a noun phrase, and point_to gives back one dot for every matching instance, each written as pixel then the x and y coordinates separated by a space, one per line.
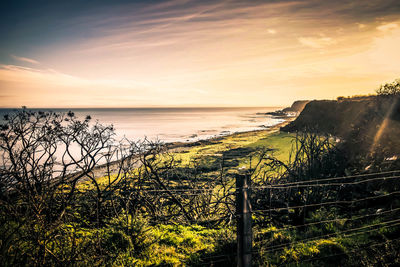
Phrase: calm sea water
pixel 177 124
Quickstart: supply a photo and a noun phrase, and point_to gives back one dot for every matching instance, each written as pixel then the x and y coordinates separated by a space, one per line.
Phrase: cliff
pixel 369 122
pixel 291 111
pixel 297 106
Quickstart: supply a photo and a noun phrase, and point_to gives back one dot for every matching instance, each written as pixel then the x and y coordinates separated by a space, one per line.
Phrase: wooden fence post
pixel 244 224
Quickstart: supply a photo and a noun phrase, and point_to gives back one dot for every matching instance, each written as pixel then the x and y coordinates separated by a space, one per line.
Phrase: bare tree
pixel 44 155
pixel 59 173
pixel 312 157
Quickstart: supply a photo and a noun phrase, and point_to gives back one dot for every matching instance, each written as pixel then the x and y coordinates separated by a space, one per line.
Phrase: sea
pixel 176 124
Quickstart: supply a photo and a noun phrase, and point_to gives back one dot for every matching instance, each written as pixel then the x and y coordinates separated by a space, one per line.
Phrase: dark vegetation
pixel 368 125
pixel 295 108
pixel 70 194
pixel 305 216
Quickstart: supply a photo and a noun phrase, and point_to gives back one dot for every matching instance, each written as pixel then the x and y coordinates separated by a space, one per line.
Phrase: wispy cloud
pixel 202 51
pixel 51 86
pixel 361 25
pixel 15 73
pixel 317 42
pixel 26 60
pixel 387 27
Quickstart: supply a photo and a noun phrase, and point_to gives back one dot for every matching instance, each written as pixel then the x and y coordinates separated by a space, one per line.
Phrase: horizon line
pixel 143 107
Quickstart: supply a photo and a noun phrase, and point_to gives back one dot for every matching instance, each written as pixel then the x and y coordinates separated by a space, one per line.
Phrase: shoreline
pixel 176 147
pixel 270 129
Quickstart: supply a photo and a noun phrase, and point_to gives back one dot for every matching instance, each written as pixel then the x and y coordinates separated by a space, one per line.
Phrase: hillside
pixel 375 121
pixel 297 106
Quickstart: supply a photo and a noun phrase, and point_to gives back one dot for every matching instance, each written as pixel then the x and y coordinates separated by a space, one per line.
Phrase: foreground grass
pixel 274 243
pixel 152 244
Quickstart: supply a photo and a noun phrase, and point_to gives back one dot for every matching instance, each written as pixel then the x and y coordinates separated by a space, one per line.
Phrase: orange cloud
pixel 229 53
pixel 387 27
pixel 25 59
pixel 316 42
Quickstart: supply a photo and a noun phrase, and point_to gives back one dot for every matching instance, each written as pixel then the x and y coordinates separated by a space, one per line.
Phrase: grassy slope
pixel 242 144
pixel 233 147
pixel 194 244
pixel 174 245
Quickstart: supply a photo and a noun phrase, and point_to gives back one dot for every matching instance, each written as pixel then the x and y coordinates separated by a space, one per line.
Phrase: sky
pixel 194 53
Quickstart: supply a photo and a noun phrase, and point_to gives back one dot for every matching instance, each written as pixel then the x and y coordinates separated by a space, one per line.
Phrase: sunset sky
pixel 194 53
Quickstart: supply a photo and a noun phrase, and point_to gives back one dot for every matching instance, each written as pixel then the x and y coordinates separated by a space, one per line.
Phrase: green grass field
pixel 236 150
pixel 239 146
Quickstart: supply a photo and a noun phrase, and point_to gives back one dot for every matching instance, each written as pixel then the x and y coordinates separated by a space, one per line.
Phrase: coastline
pixel 184 147
pixel 270 129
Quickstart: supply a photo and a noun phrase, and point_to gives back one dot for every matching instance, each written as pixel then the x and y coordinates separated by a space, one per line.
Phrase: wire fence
pixel 369 205
pixel 360 216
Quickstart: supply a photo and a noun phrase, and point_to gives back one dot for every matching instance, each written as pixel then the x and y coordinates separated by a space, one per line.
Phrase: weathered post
pixel 244 224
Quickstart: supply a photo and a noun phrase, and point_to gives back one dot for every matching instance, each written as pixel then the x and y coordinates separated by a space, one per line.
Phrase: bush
pixel 389 89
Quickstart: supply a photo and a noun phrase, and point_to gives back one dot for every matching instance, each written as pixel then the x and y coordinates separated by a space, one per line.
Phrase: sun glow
pixel 187 53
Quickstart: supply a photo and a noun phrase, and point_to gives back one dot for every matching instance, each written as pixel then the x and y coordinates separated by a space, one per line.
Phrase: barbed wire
pixel 328 203
pixel 277 186
pixel 306 240
pixel 333 220
pixel 321 179
pixel 188 192
pixel 348 252
pixel 283 186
